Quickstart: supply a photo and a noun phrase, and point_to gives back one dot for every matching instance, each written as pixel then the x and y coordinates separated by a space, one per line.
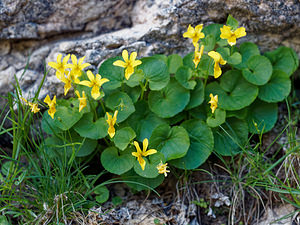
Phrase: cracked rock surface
pixel 98 29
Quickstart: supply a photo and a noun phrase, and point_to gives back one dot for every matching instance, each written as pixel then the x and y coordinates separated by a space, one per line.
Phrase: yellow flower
pixel 213 102
pixel 82 100
pixel 95 83
pixel 60 66
pixel 162 168
pixel 77 67
pixel 198 54
pixel 67 82
pixel 129 64
pixel 139 153
pixel 231 36
pixel 111 120
pixel 218 59
pixel 51 104
pixel 33 106
pixel 194 33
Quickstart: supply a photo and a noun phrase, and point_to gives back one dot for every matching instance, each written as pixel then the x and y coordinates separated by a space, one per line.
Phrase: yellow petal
pixel 80 61
pixel 95 92
pixel 74 59
pixel 128 72
pixel 120 63
pixel 149 152
pixel 90 75
pixel 225 32
pixel 24 100
pixel 82 66
pixel 85 83
pixel 135 154
pixel 137 146
pixel 133 56
pixel 58 59
pixel 222 61
pixel 198 28
pixel 53 65
pixel 114 119
pixel 67 87
pixel 136 63
pixel 111 131
pixel 215 55
pixel 232 40
pixel 240 32
pixel 125 55
pixel 47 100
pixel 217 70
pixel 142 162
pixel 145 144
pixel 66 59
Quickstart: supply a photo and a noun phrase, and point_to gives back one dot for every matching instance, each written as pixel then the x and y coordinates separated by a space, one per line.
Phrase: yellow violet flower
pixel 77 67
pixel 111 120
pixel 194 33
pixel 198 54
pixel 139 153
pixel 129 64
pixel 60 66
pixel 33 106
pixel 95 83
pixel 162 168
pixel 68 83
pixel 82 100
pixel 231 36
pixel 213 102
pixel 218 60
pixel 51 104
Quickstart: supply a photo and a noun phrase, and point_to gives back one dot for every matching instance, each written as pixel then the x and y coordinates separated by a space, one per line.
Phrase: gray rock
pixel 39 30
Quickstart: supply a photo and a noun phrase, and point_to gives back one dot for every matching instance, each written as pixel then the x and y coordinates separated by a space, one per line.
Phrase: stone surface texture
pixel 36 31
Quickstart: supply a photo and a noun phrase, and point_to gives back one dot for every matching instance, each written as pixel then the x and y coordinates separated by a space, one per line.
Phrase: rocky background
pixel 36 31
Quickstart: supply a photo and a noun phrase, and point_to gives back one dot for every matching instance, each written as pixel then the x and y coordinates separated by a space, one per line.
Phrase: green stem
pixel 144 88
pixel 102 105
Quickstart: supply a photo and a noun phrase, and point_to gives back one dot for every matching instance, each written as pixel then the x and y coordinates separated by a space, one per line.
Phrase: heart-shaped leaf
pixel 230 136
pixel 86 127
pixel 202 143
pixel 172 142
pixel 261 116
pixel 115 162
pixel 234 92
pixel 217 118
pixel 143 121
pixel 277 89
pixel 123 137
pixel 102 194
pixel 174 62
pixel 169 101
pixel 183 76
pixel 284 58
pixel 247 49
pixel 259 70
pixel 156 72
pixel 122 102
pixel 196 96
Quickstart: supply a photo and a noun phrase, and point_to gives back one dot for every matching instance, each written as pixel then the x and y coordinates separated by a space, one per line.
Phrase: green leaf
pixel 65 117
pixel 263 114
pixel 141 183
pixel 48 125
pixel 259 70
pixel 230 136
pixel 156 72
pixel 234 92
pixel 122 102
pixel 123 137
pixel 199 112
pixel 183 76
pixel 209 42
pixel 82 146
pixel 233 23
pixel 277 89
pixel 114 74
pixel 115 162
pixel 233 59
pixel 285 59
pixel 150 170
pixel 143 121
pixel 247 49
pixel 134 93
pixel 188 60
pixel 206 66
pixel 197 96
pixel 174 62
pixel 172 142
pixel 3 220
pixel 102 194
pixel 202 143
pixel 135 79
pixel 240 114
pixel 161 57
pixel 217 118
pixel 213 29
pixel 169 101
pixel 86 127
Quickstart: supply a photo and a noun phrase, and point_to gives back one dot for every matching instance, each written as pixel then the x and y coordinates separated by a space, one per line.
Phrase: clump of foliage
pixel 180 109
